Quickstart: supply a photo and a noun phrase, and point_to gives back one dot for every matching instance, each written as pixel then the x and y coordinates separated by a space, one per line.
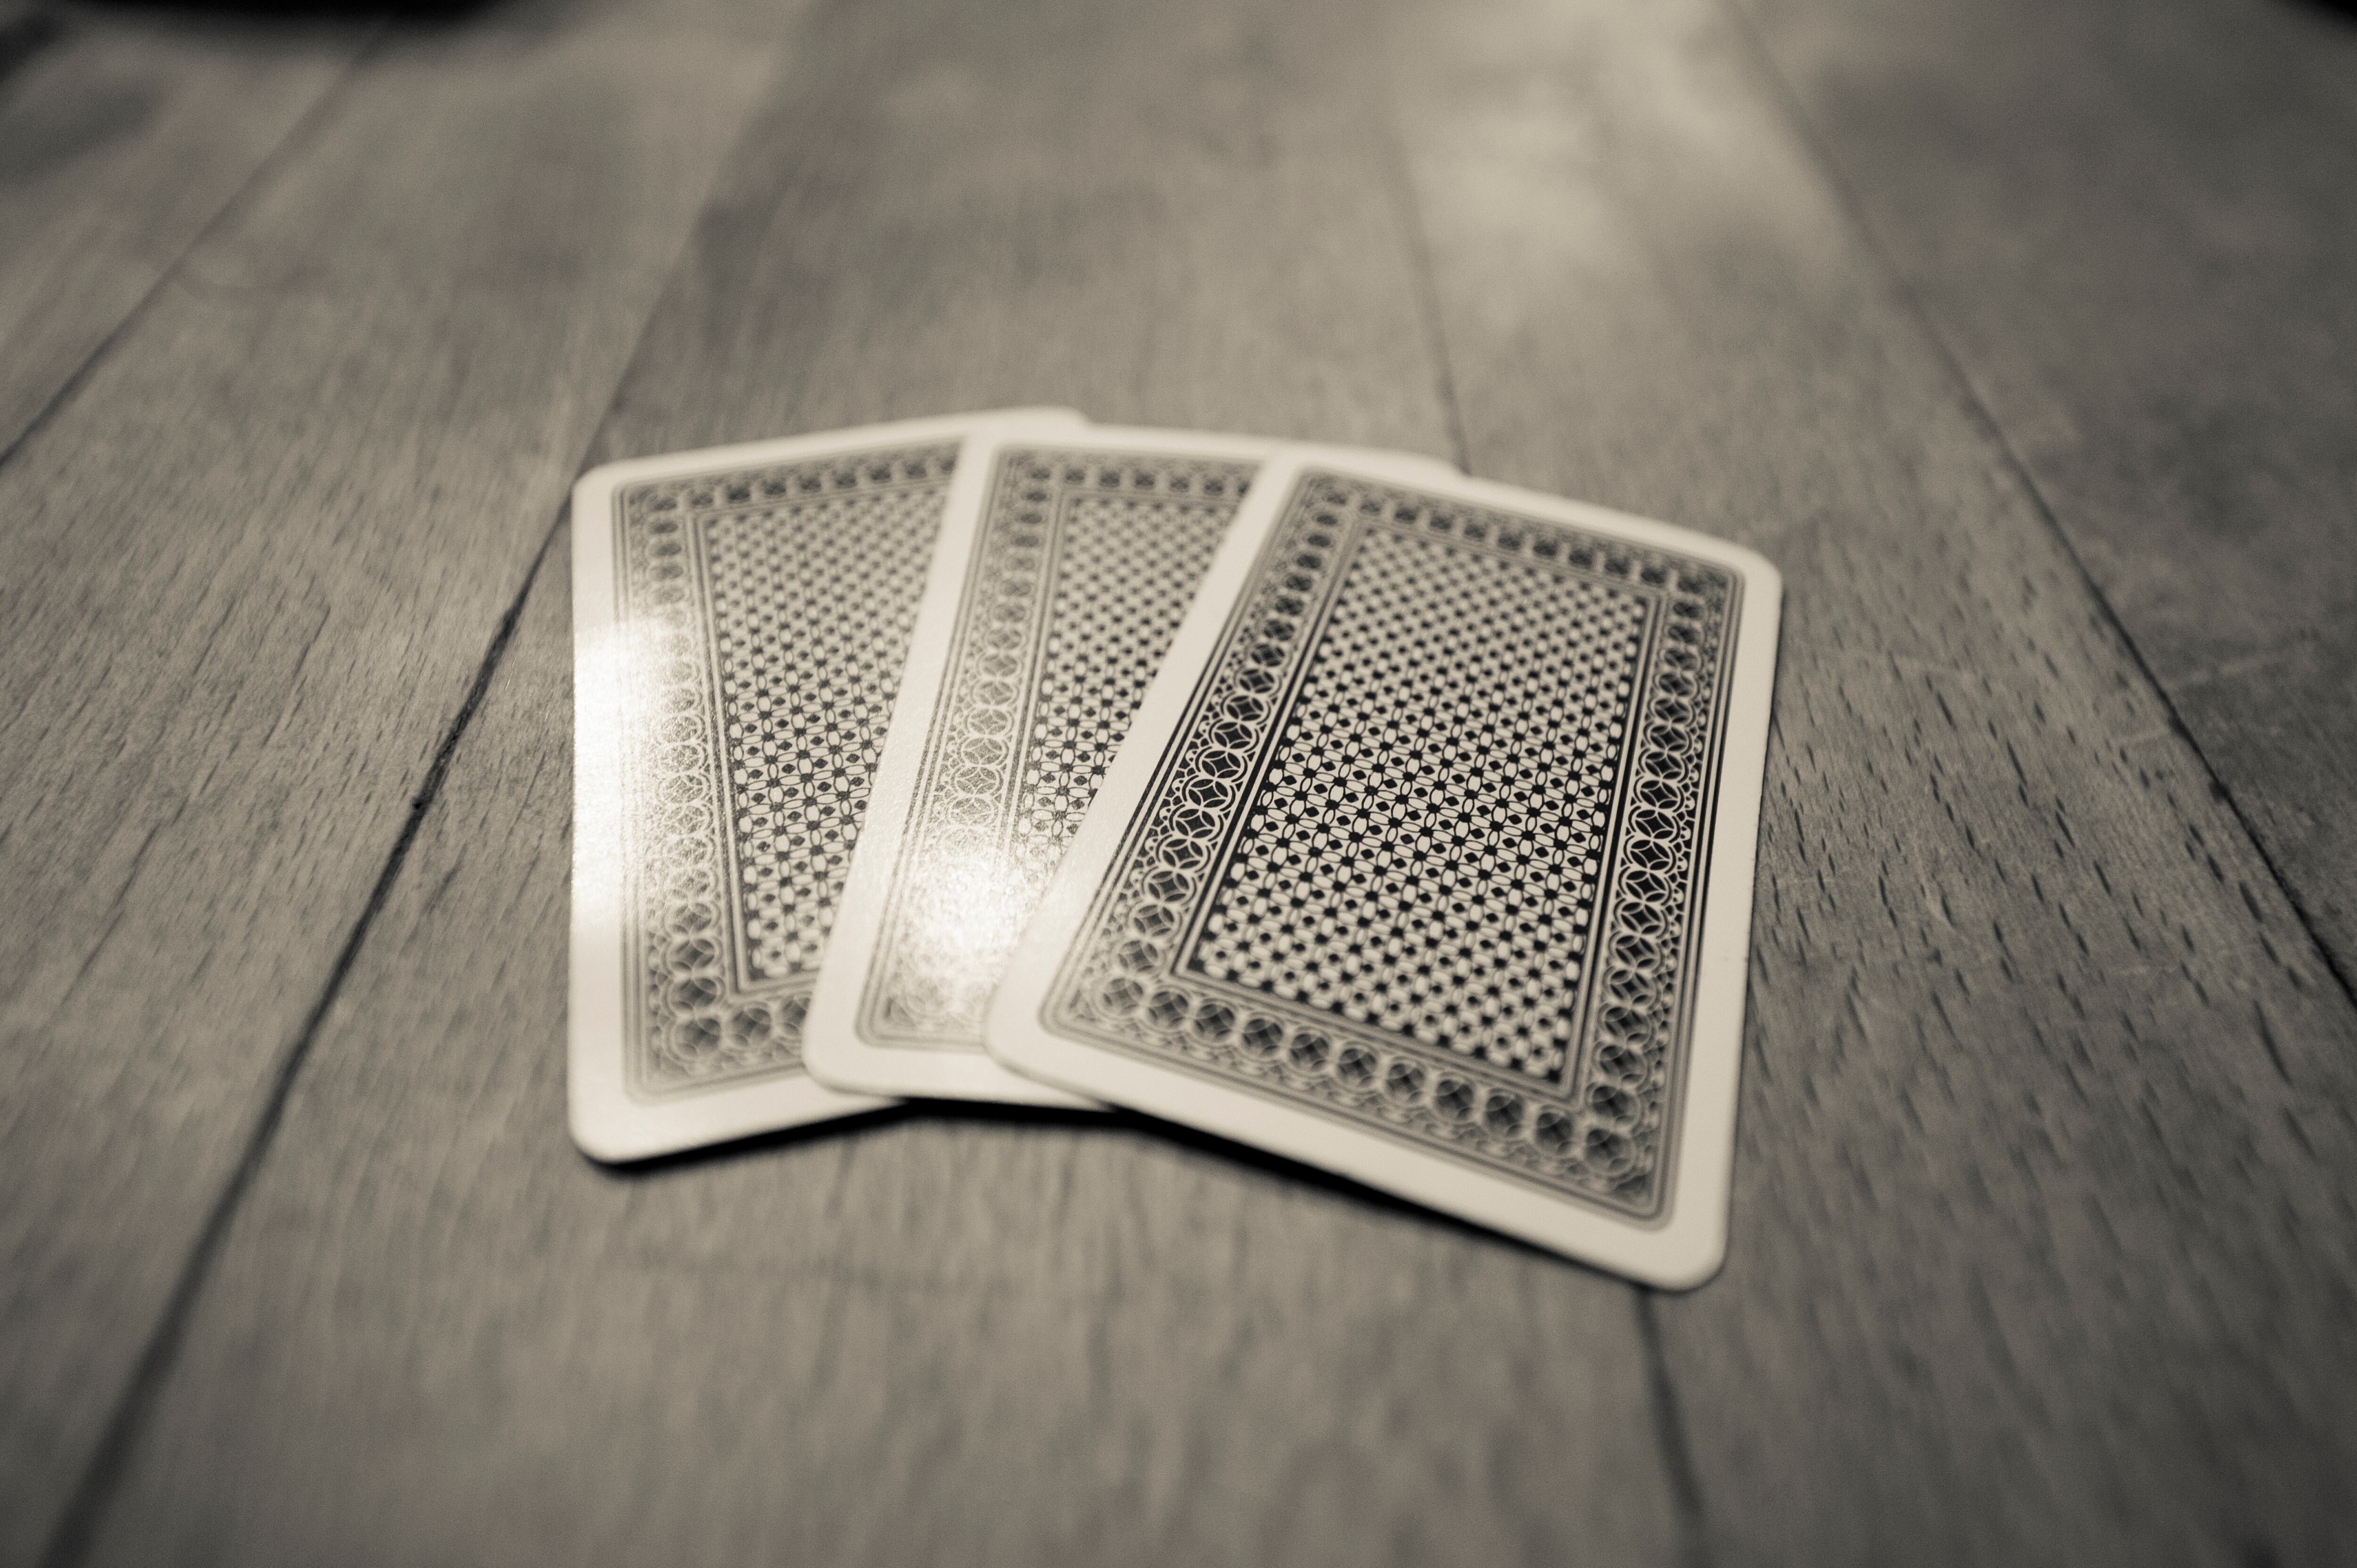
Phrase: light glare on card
pixel 1067 561
pixel 741 618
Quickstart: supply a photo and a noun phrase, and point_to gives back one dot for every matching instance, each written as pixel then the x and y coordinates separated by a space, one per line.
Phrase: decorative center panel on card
pixel 1426 853
pixel 1083 566
pixel 767 615
pixel 1420 852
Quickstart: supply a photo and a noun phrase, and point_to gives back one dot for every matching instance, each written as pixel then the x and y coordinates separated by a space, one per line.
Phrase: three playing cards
pixel 1327 800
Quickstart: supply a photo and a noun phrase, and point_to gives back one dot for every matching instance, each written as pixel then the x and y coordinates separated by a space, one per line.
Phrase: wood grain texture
pixel 2042 1224
pixel 2133 228
pixel 2042 1229
pixel 119 142
pixel 437 1333
pixel 1186 219
pixel 255 564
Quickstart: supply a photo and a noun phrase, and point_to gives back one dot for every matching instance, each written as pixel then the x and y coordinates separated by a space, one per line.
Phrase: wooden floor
pixel 2019 336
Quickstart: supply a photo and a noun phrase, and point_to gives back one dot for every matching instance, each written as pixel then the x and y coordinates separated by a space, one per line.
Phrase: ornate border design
pixel 975 860
pixel 1600 1128
pixel 705 1007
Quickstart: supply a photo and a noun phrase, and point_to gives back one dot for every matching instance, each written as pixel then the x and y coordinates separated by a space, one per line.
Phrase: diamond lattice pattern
pixel 813 606
pixel 1421 855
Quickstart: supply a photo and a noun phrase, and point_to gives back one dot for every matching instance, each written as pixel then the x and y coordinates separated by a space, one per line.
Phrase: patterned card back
pixel 768 612
pixel 1084 561
pixel 1426 854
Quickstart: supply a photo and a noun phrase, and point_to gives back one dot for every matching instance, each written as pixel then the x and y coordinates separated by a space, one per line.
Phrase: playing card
pixel 1429 860
pixel 741 616
pixel 1065 562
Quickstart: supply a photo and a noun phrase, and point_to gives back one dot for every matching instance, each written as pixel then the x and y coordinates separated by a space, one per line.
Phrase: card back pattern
pixel 1427 853
pixel 766 614
pixel 1085 563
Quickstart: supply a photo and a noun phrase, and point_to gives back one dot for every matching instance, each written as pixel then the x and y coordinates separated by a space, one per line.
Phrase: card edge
pixel 1688 1246
pixel 843 1054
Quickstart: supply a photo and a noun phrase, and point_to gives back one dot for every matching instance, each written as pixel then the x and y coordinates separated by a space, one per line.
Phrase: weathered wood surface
pixel 256 560
pixel 2043 1227
pixel 2042 1223
pixel 2134 227
pixel 958 1338
pixel 937 1339
pixel 119 142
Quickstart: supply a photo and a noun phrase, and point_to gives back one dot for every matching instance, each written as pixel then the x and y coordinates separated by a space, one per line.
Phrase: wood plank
pixel 2042 1242
pixel 1940 1328
pixel 1184 222
pixel 120 140
pixel 436 1332
pixel 2133 226
pixel 256 561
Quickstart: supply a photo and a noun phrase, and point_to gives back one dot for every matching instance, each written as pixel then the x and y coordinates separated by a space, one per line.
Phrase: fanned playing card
pixel 1429 860
pixel 1066 560
pixel 741 616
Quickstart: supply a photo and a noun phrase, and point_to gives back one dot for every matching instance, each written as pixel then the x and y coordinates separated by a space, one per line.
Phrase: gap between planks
pixel 1977 408
pixel 110 59
pixel 122 1423
pixel 77 1525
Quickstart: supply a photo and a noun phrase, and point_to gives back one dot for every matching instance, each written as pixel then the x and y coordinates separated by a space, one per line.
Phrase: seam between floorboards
pixel 1670 1436
pixel 1409 214
pixel 1977 410
pixel 1669 1425
pixel 72 1540
pixel 77 1526
pixel 295 139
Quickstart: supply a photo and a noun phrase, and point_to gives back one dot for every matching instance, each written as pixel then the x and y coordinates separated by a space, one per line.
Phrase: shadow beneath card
pixel 1295 1173
pixel 708 1156
pixel 901 1113
pixel 1110 1122
pixel 1138 1126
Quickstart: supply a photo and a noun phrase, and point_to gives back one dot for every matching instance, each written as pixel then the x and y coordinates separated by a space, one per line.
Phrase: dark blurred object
pixel 22 33
pixel 312 10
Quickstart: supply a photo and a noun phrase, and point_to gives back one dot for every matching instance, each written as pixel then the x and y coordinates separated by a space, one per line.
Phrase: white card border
pixel 608 1123
pixel 832 1043
pixel 1677 1252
